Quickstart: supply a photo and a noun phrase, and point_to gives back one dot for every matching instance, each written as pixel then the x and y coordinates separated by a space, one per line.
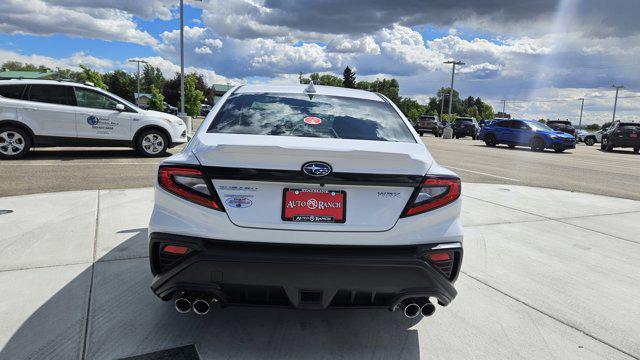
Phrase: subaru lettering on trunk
pixel 266 207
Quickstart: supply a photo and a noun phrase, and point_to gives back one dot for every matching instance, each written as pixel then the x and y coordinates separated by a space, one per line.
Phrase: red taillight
pixel 176 249
pixel 188 184
pixel 433 193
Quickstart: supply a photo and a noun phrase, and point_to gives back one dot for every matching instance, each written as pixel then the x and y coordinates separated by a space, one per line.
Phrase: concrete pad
pixel 548 202
pixel 478 212
pixel 47 229
pixel 484 324
pixel 42 312
pixel 585 279
pixel 122 230
pixel 126 319
pixel 625 226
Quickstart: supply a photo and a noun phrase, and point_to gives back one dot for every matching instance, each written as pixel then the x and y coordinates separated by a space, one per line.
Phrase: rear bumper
pixel 563 144
pixel 303 276
pixel 463 132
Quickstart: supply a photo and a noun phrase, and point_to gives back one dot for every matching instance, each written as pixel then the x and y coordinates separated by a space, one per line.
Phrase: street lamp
pixel 453 73
pixel 615 104
pixel 138 61
pixel 581 108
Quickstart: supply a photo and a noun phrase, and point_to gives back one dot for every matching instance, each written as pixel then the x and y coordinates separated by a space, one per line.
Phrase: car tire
pixel 636 150
pixel 421 133
pixel 490 140
pixel 14 143
pixel 589 141
pixel 511 146
pixel 538 144
pixel 152 143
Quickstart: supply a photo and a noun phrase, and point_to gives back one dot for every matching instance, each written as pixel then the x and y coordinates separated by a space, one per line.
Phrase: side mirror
pixel 120 107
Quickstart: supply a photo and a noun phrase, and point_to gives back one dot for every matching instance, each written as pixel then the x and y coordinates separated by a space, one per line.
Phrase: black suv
pixel 429 123
pixel 621 134
pixel 465 126
pixel 562 125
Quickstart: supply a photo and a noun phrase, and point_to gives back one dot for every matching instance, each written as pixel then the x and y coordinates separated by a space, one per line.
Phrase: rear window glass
pixel 302 116
pixel 463 120
pixel 52 94
pixel 12 91
pixel 631 126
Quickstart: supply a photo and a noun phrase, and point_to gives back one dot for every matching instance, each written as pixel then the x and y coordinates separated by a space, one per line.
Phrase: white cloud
pixel 203 50
pixel 363 45
pixel 42 18
pixel 214 43
pixel 72 62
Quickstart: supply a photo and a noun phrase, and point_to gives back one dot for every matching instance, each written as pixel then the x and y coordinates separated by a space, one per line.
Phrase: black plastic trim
pixel 339 178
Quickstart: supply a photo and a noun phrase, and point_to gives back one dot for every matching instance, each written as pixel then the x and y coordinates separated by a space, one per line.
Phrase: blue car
pixel 533 134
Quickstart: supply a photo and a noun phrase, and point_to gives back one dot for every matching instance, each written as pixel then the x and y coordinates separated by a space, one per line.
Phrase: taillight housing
pixel 434 192
pixel 189 184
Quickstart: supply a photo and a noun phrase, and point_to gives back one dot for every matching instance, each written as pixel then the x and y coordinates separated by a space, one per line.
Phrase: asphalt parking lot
pixel 584 169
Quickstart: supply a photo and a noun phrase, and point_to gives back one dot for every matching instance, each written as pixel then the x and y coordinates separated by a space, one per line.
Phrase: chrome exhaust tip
pixel 411 310
pixel 201 307
pixel 428 309
pixel 182 305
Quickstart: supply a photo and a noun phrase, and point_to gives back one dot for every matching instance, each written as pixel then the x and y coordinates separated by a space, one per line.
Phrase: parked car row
pixel 558 135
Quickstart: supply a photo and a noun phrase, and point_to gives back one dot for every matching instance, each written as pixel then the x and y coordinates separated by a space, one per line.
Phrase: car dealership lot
pixel 77 269
pixel 585 169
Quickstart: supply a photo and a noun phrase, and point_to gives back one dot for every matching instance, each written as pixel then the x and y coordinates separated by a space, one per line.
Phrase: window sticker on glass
pixel 312 120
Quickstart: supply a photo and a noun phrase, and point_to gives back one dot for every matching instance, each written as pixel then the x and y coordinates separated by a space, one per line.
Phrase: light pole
pixel 504 106
pixel 615 104
pixel 442 104
pixel 453 73
pixel 138 61
pixel 581 108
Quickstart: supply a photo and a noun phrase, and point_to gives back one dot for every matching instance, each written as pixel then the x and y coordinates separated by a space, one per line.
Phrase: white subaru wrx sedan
pixel 308 197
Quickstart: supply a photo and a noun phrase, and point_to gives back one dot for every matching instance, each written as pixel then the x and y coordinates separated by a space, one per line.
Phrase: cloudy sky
pixel 540 55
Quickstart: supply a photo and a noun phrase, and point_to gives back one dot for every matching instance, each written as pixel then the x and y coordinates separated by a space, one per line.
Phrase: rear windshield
pixel 464 120
pixel 559 123
pixel 302 116
pixel 630 126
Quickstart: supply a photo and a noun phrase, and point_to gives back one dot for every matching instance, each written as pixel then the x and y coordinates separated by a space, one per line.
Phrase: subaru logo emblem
pixel 316 168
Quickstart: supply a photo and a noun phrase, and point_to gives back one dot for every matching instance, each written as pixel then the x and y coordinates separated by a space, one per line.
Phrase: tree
pixel 171 90
pixel 487 112
pixel 18 66
pixel 89 75
pixel 348 78
pixel 151 76
pixel 192 96
pixel 473 112
pixel 121 83
pixel 157 99
pixel 411 108
pixel 456 107
pixel 593 127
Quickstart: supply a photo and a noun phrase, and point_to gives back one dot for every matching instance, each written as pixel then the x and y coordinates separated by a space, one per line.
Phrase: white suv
pixel 313 198
pixel 44 113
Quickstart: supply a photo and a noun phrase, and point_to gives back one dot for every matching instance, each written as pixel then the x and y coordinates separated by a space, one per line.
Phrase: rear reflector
pixel 433 193
pixel 189 184
pixel 439 256
pixel 176 249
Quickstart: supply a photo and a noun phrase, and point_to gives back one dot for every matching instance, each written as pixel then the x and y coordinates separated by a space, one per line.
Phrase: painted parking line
pixel 485 174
